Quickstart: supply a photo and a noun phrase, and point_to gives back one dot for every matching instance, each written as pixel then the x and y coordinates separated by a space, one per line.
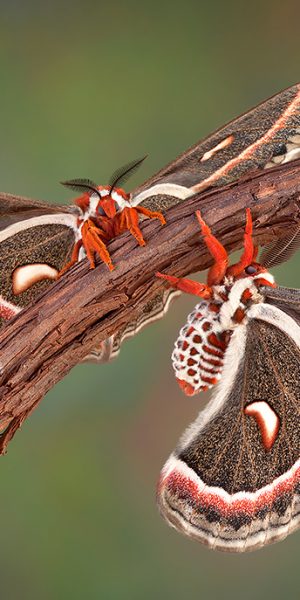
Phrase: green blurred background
pixel 86 87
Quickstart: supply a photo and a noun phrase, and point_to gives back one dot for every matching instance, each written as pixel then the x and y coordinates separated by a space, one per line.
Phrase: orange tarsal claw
pixel 187 285
pixel 217 272
pixel 249 250
pixel 94 245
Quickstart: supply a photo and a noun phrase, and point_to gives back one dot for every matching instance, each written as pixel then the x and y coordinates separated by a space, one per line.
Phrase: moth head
pixel 106 206
pixel 104 201
pixel 114 198
pixel 259 274
pixel 98 200
pixel 111 201
pixel 255 269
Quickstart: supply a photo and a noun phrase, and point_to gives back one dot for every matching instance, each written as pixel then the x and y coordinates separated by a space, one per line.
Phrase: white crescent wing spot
pixel 218 147
pixel 24 277
pixel 267 421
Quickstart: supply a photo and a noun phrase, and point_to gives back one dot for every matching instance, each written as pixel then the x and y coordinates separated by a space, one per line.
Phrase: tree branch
pixel 42 344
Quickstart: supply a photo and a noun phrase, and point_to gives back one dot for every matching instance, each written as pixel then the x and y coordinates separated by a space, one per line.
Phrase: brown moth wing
pixel 10 203
pixel 152 311
pixel 287 299
pixel 252 141
pixel 17 208
pixel 31 232
pixel 223 485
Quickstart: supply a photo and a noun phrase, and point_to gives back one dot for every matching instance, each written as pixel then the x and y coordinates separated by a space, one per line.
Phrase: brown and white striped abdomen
pixel 199 350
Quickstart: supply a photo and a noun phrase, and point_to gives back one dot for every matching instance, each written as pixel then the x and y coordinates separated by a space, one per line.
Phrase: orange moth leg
pixel 218 252
pixel 131 218
pixel 255 253
pixel 128 219
pixel 249 250
pixel 151 214
pixel 187 285
pixel 94 245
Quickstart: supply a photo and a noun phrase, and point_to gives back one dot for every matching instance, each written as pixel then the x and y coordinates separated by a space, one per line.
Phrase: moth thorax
pixel 199 350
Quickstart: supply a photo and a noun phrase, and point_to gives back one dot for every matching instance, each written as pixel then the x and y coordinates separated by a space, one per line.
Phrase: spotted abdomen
pixel 199 350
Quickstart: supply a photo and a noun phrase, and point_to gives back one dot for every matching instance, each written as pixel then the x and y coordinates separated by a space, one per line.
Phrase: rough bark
pixel 42 344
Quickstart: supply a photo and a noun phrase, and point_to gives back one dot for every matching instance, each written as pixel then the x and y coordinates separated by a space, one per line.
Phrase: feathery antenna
pixel 123 173
pixel 82 185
